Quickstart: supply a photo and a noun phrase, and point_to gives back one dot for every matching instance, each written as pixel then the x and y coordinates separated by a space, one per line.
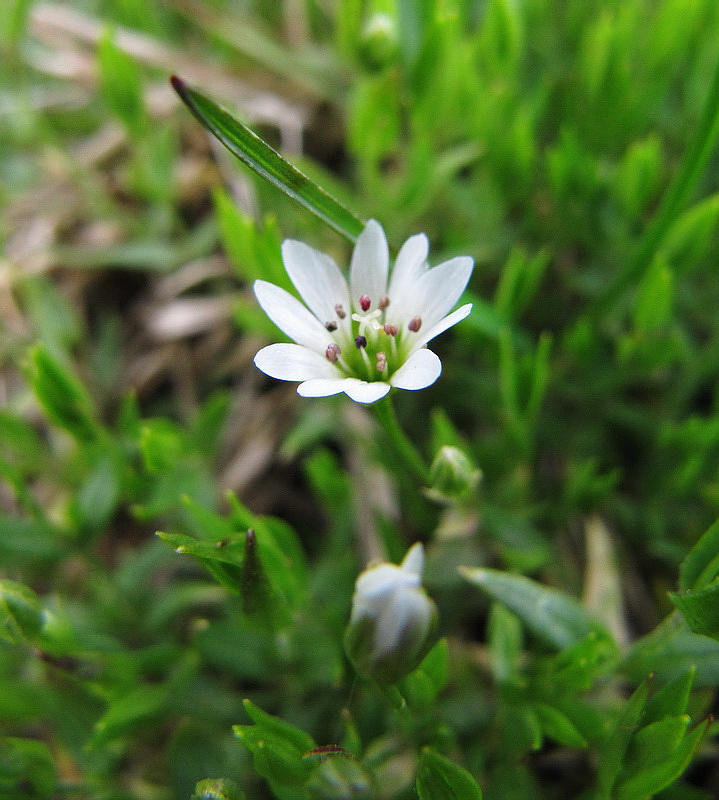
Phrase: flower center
pixel 372 346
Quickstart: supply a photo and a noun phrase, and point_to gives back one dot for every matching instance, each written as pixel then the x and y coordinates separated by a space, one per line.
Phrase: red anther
pixel 365 302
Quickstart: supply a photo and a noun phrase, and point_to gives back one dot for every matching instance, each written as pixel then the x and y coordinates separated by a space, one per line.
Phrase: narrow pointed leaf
pixel 554 616
pixel 266 161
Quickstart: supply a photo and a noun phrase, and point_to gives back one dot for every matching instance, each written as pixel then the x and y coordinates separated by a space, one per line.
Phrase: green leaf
pixel 27 770
pixel 277 747
pixel 553 616
pixel 558 726
pixel 653 309
pixel 64 399
pixel 670 650
pixel 266 162
pixel 701 565
pixel 223 558
pixel 615 748
pixel 700 609
pixel 671 700
pixel 646 783
pixel 438 778
pixel 20 612
pixel 121 84
pixel 127 711
pixel 505 643
pixel 421 687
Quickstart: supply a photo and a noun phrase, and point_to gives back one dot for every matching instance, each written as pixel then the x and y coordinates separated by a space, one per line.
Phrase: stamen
pixel 365 302
pixel 415 324
pixel 383 302
pixel 360 342
pixel 381 361
pixel 333 352
pixel 390 329
pixel 331 326
pixel 339 310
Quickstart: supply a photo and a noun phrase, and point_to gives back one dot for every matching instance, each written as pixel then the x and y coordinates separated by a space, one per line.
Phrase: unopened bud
pixel 452 475
pixel 393 621
pixel 379 43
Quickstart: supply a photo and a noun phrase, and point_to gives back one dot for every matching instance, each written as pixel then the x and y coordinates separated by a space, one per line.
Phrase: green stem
pixel 403 445
pixel 676 197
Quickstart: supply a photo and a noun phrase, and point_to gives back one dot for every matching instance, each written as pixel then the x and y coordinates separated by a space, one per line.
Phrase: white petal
pixel 291 316
pixel 365 392
pixel 370 264
pixel 443 324
pixel 421 369
pixel 292 362
pixel 321 387
pixel 439 289
pixel 407 607
pixel 414 559
pixel 410 265
pixel 317 278
pixel 359 391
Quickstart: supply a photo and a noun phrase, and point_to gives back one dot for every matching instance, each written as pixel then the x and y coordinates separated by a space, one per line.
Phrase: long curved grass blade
pixel 265 161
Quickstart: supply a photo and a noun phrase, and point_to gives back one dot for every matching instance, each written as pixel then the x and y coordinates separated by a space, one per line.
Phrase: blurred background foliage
pixel 570 148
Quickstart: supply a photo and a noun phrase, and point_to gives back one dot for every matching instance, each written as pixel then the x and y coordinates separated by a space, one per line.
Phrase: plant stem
pixel 403 445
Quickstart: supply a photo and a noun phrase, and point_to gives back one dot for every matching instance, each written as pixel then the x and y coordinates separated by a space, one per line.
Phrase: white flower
pixel 369 336
pixel 393 621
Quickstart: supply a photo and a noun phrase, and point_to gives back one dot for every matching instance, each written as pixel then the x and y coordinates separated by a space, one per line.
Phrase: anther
pixel 341 313
pixel 331 326
pixel 360 342
pixel 365 302
pixel 381 361
pixel 332 352
pixel 415 324
pixel 390 329
pixel 383 302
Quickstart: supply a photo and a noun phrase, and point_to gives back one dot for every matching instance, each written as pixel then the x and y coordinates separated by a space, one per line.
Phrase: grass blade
pixel 265 161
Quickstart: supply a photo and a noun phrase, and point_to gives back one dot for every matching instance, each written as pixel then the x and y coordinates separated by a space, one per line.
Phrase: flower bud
pixel 379 43
pixel 393 621
pixel 452 475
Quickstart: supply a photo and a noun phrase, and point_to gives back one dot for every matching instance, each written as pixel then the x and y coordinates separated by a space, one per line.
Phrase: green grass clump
pixel 570 149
